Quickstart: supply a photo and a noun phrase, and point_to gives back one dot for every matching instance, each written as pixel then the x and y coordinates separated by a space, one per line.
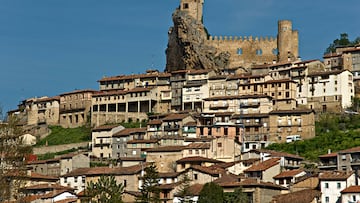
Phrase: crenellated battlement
pixel 242 38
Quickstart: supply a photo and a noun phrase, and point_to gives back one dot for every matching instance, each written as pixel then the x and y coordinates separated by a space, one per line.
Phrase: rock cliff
pixel 186 48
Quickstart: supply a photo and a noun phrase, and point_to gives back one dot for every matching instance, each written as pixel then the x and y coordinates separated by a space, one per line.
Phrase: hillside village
pixel 208 124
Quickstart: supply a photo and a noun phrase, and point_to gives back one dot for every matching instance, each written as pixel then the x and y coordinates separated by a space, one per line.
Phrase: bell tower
pixel 193 7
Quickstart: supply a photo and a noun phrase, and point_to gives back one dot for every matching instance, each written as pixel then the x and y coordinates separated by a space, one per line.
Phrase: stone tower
pixel 194 8
pixel 288 42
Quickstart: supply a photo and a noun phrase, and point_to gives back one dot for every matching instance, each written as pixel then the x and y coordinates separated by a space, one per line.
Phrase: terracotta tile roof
pixel 208 170
pixel 194 190
pixel 175 148
pixel 47 186
pixel 352 189
pixel 329 155
pixel 168 175
pixel 280 154
pixel 40 176
pixel 325 73
pixel 134 76
pixel 128 131
pixel 175 116
pixel 288 174
pixel 197 159
pixel 257 183
pixel 198 71
pixel 351 150
pixel 334 175
pixel 203 139
pixel 78 91
pixel 140 89
pixel 262 166
pixel 104 128
pixel 133 193
pixel 109 93
pixel 155 122
pixel 302 196
pixel 168 186
pixel 53 194
pixel 191 123
pixel 198 146
pixel 46 99
pixel 228 178
pixel 106 171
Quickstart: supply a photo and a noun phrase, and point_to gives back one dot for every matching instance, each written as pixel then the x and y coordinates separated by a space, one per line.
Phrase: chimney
pixel 329 151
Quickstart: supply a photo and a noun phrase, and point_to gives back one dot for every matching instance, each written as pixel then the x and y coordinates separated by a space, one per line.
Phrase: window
pixel 185 6
pixel 327 199
pixel 326 185
pixel 195 176
pixel 338 185
pixel 259 52
pixel 239 51
pixel 219 144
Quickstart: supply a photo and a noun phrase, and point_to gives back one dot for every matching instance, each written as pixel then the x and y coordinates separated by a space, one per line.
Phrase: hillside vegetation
pixel 61 135
pixel 333 131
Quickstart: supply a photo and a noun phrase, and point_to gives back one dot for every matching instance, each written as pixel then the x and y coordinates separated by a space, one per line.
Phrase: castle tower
pixel 193 7
pixel 288 42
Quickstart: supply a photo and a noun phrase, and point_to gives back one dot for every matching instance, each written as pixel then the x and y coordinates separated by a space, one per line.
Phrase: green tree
pixel 150 192
pixel 211 192
pixel 105 190
pixel 184 192
pixel 13 158
pixel 342 42
pixel 238 196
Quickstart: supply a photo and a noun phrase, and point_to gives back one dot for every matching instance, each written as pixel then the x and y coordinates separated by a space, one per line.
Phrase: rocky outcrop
pixel 187 48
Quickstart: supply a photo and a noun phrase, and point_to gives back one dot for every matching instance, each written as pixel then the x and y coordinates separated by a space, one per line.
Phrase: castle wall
pixel 245 51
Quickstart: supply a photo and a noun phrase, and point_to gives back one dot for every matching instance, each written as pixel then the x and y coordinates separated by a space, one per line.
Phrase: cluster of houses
pixel 210 127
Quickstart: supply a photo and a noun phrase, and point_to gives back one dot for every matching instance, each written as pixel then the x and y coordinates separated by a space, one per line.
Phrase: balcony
pixel 219 106
pixel 171 127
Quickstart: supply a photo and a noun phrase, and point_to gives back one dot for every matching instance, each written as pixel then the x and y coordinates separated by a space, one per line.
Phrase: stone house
pixel 265 170
pixel 120 146
pixel 173 123
pixel 101 140
pixel 285 178
pixel 164 157
pixel 75 108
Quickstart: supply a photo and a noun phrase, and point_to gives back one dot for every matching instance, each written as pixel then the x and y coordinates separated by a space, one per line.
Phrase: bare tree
pixel 13 154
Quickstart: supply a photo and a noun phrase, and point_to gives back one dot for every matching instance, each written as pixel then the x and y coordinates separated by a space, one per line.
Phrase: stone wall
pixel 59 148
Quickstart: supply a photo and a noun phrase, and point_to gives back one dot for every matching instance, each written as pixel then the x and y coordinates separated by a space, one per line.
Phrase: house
pixel 165 157
pixel 265 170
pixel 328 162
pixel 285 178
pixel 121 146
pixel 75 108
pixel 101 140
pixel 259 191
pixel 349 159
pixel 202 174
pixel 187 162
pixel 306 182
pixel 350 194
pixel 332 183
pixel 174 123
pixel 194 192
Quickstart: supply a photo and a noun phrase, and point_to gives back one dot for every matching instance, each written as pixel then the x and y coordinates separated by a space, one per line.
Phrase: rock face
pixel 187 47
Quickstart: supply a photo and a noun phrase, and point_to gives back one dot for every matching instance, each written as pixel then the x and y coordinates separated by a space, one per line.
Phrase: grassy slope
pixel 61 135
pixel 335 132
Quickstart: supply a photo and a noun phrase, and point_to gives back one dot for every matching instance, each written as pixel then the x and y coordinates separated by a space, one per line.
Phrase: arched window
pixel 259 52
pixel 275 51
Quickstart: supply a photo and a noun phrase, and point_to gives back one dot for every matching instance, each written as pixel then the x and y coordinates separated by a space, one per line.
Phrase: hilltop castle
pixel 191 47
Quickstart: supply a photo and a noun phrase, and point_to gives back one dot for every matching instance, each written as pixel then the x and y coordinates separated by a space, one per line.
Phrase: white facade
pixel 76 182
pixel 350 197
pixel 331 189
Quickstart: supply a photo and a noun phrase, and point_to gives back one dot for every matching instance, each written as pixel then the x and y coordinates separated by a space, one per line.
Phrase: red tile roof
pixel 329 155
pixel 262 166
pixel 197 159
pixel 155 122
pixel 334 175
pixel 198 146
pixel 134 76
pixel 104 128
pixel 47 186
pixel 106 171
pixel 175 148
pixel 302 196
pixel 288 174
pixel 141 141
pixel 257 183
pixel 351 150
pixel 175 116
pixel 128 131
pixel 208 170
pixel 352 189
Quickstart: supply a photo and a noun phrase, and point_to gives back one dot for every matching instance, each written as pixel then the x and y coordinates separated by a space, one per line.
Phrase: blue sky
pixel 51 47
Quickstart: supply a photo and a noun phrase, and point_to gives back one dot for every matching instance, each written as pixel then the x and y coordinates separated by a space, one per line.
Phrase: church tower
pixel 193 7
